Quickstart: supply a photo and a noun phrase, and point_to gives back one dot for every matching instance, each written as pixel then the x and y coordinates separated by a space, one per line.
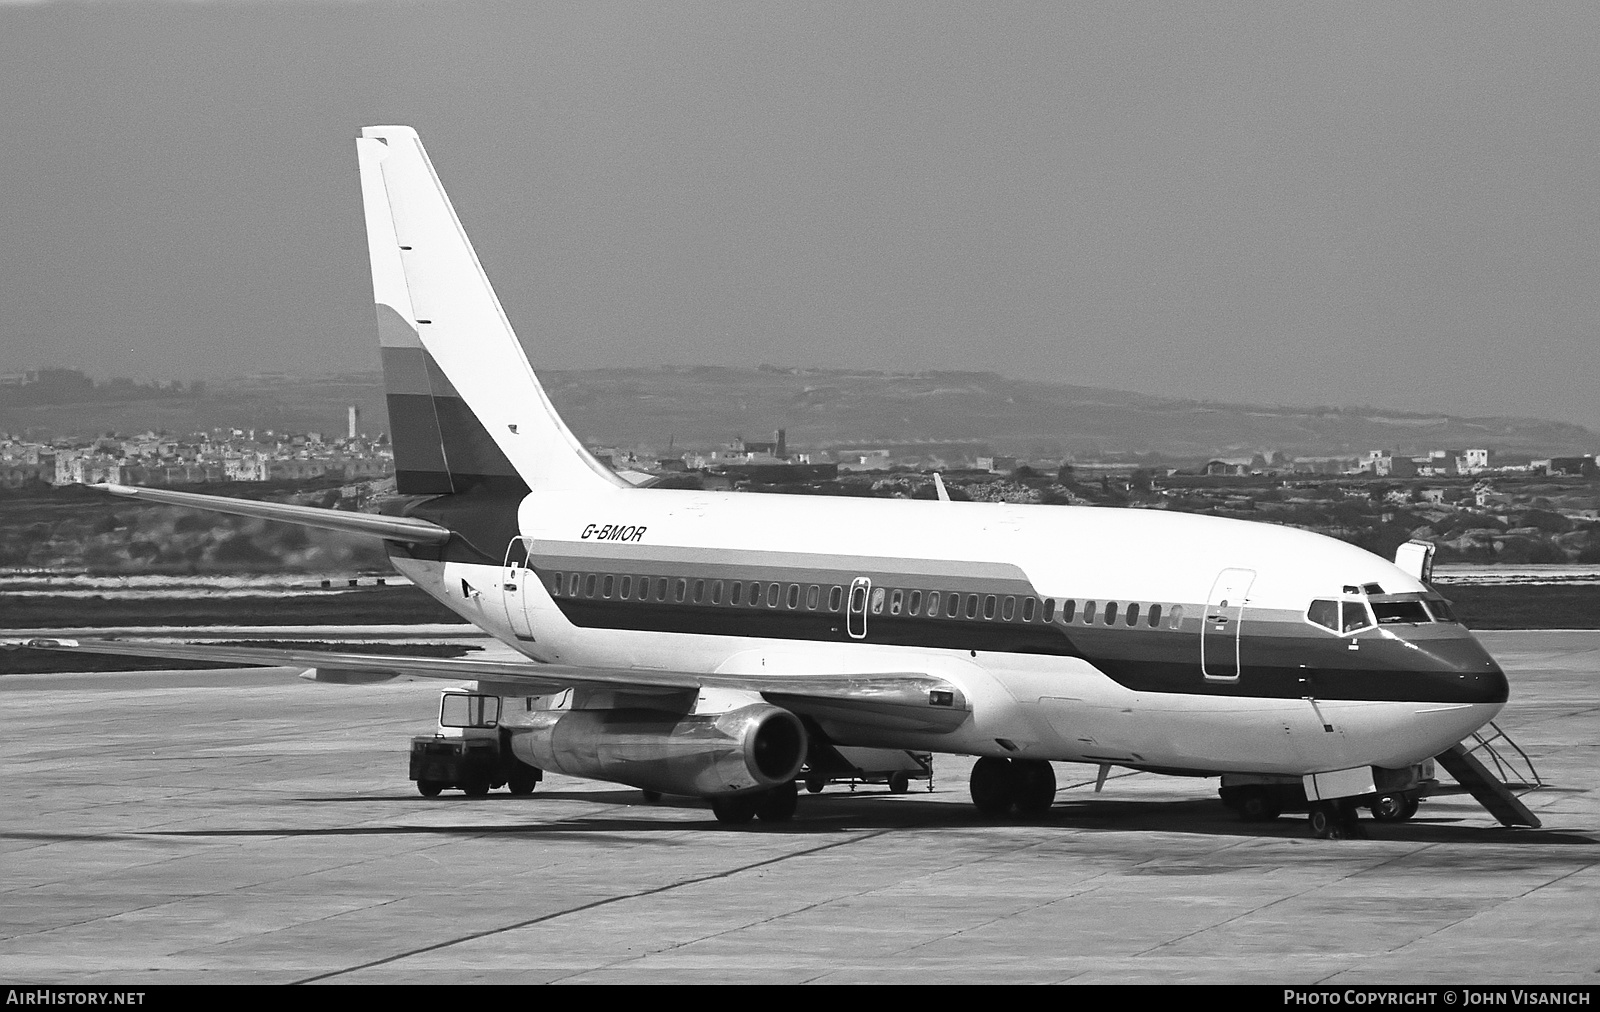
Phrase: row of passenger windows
pixel 882 600
pixel 1353 615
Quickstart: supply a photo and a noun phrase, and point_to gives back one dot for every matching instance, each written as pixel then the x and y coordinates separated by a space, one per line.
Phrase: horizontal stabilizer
pixel 409 530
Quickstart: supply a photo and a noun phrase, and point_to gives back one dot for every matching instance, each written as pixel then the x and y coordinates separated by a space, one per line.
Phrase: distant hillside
pixel 709 405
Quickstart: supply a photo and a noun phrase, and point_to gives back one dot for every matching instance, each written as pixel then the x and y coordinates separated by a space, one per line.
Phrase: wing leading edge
pixel 885 700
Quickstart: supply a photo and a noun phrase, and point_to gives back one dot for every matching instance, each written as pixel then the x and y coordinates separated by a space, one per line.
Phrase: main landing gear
pixel 1000 785
pixel 775 805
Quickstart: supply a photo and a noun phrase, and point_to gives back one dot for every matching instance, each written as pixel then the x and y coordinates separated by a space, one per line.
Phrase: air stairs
pixel 1494 788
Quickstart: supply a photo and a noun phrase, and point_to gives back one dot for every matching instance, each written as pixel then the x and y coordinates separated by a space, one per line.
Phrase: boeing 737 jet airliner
pixel 706 643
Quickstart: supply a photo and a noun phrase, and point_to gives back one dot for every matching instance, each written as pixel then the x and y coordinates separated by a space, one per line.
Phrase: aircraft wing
pixel 879 700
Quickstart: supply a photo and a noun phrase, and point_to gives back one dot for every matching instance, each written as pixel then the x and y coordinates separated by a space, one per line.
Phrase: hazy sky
pixel 1386 203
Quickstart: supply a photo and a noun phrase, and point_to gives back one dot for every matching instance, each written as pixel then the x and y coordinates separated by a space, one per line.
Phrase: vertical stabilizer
pixel 465 407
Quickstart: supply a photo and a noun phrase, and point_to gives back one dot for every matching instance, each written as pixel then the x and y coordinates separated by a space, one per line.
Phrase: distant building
pixel 1583 466
pixel 997 465
pixel 1230 467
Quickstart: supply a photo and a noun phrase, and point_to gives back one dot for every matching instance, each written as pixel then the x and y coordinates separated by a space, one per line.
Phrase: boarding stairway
pixel 1493 788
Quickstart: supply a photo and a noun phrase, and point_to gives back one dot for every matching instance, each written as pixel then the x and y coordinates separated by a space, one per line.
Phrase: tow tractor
pixel 893 767
pixel 470 751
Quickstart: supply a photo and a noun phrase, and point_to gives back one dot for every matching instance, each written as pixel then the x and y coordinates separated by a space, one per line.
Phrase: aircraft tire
pixel 734 811
pixel 1035 785
pixel 1394 807
pixel 993 786
pixel 521 783
pixel 815 785
pixel 778 804
pixel 899 783
pixel 476 788
pixel 429 788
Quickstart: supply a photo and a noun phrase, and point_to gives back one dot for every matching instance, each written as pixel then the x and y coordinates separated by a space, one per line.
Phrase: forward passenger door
pixel 1222 625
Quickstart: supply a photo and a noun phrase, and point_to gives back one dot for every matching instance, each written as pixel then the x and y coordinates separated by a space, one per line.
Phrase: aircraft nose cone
pixel 1458 669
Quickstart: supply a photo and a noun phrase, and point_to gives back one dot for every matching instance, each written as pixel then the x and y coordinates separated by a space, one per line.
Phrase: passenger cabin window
pixel 877 601
pixel 1088 613
pixel 793 600
pixel 1111 613
pixel 835 598
pixel 897 602
pixel 1132 617
pixel 1049 609
pixel 736 593
pixel 1153 619
pixel 914 603
pixel 813 596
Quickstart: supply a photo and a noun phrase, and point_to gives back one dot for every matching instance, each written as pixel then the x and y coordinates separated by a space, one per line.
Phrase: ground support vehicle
pixel 1264 798
pixel 891 766
pixel 470 751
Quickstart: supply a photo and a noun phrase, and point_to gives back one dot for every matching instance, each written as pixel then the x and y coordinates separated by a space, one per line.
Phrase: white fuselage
pixel 1136 649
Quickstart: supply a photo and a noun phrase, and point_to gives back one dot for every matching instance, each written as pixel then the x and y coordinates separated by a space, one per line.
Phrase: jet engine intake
pixel 701 755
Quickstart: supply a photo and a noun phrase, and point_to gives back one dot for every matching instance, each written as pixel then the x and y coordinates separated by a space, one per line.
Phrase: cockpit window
pixel 1441 610
pixel 1394 612
pixel 1371 588
pixel 1355 616
pixel 1325 614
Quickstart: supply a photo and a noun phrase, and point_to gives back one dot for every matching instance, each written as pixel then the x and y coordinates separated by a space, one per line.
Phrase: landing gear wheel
pixel 429 788
pixel 1035 785
pixel 899 783
pixel 778 804
pixel 734 811
pixel 651 797
pixel 523 781
pixel 814 785
pixel 1394 807
pixel 993 786
pixel 1257 804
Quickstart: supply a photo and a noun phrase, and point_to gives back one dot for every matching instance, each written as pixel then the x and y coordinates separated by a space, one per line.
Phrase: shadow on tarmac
pixel 821 815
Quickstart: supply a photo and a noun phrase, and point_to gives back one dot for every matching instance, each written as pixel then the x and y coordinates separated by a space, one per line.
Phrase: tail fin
pixel 465 408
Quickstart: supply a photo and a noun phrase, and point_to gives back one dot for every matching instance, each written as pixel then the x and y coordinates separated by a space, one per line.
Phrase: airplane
pixel 707 643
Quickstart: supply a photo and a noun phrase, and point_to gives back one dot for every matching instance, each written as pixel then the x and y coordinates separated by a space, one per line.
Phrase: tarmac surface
pixel 250 827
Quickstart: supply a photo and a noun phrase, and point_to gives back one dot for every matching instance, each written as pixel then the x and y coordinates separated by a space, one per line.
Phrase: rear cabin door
pixel 514 579
pixel 1222 626
pixel 856 607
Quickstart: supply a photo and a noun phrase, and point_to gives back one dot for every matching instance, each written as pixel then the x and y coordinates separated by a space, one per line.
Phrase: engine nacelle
pixel 700 755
